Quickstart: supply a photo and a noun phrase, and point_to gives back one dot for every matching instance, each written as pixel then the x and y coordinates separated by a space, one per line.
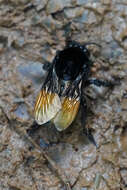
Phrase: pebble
pixel 40 4
pixel 33 71
pixel 82 2
pixel 73 12
pixel 50 24
pixel 84 17
pixel 21 112
pixel 57 5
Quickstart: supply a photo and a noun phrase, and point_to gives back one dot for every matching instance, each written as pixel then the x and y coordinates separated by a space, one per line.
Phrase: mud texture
pixel 30 34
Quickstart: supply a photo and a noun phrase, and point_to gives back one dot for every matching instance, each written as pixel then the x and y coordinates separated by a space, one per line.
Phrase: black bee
pixel 62 93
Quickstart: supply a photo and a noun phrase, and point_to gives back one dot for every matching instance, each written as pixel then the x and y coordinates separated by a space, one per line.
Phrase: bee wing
pixel 48 102
pixel 67 114
pixel 46 107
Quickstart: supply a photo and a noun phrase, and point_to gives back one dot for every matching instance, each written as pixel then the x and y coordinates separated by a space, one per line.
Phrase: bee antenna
pixel 92 43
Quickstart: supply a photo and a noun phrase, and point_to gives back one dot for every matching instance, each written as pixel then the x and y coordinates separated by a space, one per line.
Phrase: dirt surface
pixel 30 34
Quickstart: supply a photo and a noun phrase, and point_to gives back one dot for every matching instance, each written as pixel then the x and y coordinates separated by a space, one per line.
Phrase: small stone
pixel 50 23
pixel 57 5
pixel 73 12
pixel 123 34
pixel 110 155
pixel 18 43
pixel 84 17
pixel 119 29
pixel 124 104
pixel 85 180
pixel 21 112
pixel 74 162
pixel 40 4
pixel 36 19
pixel 1 47
pixel 105 2
pixel 17 2
pixel 97 180
pixel 82 2
pixel 33 71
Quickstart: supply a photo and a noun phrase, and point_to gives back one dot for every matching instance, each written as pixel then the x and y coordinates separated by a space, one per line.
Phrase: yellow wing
pixel 46 107
pixel 67 114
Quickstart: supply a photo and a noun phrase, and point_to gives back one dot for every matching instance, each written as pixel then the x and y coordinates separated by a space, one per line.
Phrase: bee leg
pixel 86 130
pixel 99 83
pixel 33 128
pixel 46 66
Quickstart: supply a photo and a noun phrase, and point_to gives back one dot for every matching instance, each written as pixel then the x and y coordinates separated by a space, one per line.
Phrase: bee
pixel 62 93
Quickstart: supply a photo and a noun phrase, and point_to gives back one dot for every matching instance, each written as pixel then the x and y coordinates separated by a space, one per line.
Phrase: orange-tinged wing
pixel 46 107
pixel 67 114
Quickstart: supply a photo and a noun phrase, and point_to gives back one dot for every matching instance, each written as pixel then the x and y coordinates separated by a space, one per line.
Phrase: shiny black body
pixel 72 66
pixel 72 61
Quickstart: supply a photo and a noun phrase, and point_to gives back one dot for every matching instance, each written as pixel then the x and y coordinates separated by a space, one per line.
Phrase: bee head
pixel 71 61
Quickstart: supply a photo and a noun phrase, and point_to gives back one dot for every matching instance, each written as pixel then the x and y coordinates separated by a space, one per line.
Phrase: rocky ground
pixel 30 33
